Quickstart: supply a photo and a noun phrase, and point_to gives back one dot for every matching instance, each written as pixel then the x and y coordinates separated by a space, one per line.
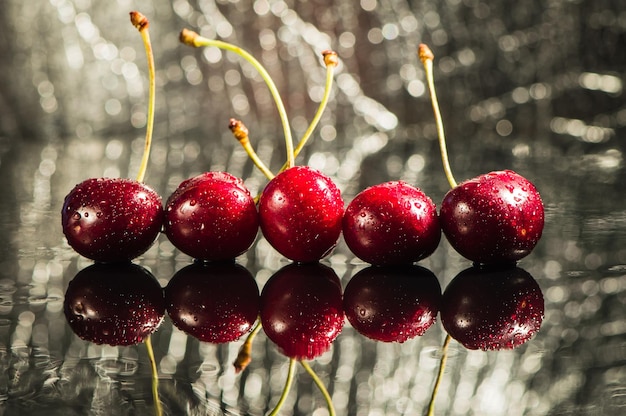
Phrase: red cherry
pixel 213 302
pixel 391 223
pixel 111 219
pixel 492 309
pixel 301 309
pixel 114 304
pixel 211 217
pixel 300 213
pixel 392 303
pixel 494 218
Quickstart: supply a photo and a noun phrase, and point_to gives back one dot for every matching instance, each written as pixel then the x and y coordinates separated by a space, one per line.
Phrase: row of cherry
pixel 123 303
pixel 492 219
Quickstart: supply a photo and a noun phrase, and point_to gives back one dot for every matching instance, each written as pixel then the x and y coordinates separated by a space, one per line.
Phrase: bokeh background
pixel 535 86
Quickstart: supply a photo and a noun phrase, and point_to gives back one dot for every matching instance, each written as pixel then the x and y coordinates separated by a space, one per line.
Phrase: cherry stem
pixel 141 23
pixel 331 62
pixel 427 57
pixel 155 378
pixel 321 387
pixel 442 366
pixel 240 131
pixel 244 357
pixel 191 38
pixel 286 388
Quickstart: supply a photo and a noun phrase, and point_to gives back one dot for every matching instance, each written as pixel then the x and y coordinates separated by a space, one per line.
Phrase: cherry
pixel 213 302
pixel 492 309
pixel 391 223
pixel 114 304
pixel 301 309
pixel 211 217
pixel 392 303
pixel 495 218
pixel 300 213
pixel 113 219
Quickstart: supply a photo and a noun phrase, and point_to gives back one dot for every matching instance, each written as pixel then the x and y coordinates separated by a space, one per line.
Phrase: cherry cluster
pixel 493 220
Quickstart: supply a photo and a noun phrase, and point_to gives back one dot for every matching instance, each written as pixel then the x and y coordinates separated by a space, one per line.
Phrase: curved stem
pixel 245 356
pixel 191 38
pixel 442 366
pixel 141 23
pixel 321 387
pixel 330 60
pixel 286 388
pixel 240 131
pixel 158 410
pixel 427 57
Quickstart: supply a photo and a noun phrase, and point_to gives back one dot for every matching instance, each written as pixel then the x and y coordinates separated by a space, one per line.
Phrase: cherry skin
pixel 391 223
pixel 211 217
pixel 111 219
pixel 301 309
pixel 392 303
pixel 114 304
pixel 213 302
pixel 300 213
pixel 492 309
pixel 494 218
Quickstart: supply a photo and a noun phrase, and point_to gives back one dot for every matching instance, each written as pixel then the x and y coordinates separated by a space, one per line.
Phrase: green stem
pixel 158 410
pixel 191 38
pixel 286 388
pixel 240 131
pixel 442 366
pixel 427 57
pixel 244 356
pixel 141 23
pixel 330 60
pixel 321 387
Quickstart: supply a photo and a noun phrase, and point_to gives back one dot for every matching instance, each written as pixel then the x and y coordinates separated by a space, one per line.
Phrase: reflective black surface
pixel 535 87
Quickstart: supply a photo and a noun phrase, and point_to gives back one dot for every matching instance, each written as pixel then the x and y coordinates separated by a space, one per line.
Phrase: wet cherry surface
pixel 392 303
pixel 211 217
pixel 391 223
pixel 114 304
pixel 111 219
pixel 213 302
pixel 300 213
pixel 301 309
pixel 492 309
pixel 497 217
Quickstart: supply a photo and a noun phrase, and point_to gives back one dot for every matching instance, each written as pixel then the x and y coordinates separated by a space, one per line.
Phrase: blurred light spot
pixel 232 77
pixel 375 35
pixel 261 7
pixel 390 31
pixel 347 40
pixel 431 19
pixel 416 163
pixel 47 167
pixel 114 149
pixel 368 5
pixel 112 106
pixel 540 91
pixel 267 39
pixel 130 70
pixel 216 83
pixel 328 133
pixel 447 64
pixel 49 104
pixel 504 128
pixel 597 82
pixel 520 95
pixel 416 88
pixel 467 57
